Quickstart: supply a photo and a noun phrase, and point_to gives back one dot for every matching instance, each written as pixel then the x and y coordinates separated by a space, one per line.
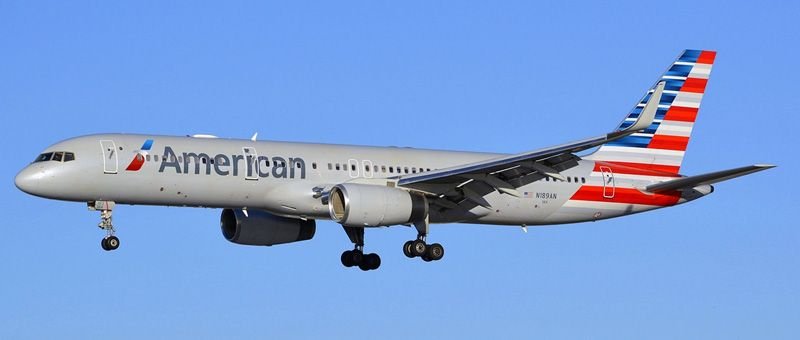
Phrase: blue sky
pixel 504 77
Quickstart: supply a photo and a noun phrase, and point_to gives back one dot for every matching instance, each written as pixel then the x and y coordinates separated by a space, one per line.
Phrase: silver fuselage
pixel 280 177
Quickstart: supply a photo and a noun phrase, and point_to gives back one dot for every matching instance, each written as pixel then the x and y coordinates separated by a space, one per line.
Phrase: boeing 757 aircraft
pixel 273 192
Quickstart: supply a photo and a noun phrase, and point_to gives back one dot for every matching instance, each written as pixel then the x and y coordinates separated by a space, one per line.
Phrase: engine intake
pixel 260 228
pixel 361 205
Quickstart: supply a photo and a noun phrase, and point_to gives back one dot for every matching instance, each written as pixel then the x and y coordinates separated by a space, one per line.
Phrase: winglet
pixel 649 112
pixel 646 117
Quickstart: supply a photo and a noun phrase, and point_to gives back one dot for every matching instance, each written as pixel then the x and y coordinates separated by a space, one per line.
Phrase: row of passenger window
pixel 59 156
pixel 569 179
pixel 374 168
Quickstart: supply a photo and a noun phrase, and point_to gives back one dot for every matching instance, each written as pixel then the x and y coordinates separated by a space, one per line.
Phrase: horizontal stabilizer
pixel 704 179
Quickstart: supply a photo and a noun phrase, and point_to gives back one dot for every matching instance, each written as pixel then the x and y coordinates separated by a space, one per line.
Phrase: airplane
pixel 273 192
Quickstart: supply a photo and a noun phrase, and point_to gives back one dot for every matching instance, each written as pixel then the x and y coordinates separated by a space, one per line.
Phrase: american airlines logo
pixel 138 159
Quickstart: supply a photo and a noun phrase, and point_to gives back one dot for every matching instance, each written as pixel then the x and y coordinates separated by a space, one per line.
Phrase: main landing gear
pixel 419 248
pixel 110 242
pixel 356 257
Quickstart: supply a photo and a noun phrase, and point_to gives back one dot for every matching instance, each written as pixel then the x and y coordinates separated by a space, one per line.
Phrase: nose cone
pixel 27 180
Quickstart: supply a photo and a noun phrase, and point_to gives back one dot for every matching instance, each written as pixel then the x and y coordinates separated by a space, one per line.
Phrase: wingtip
pixel 765 166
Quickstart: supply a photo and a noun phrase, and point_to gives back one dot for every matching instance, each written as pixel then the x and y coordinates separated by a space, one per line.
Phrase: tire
pixel 112 242
pixel 373 261
pixel 435 252
pixel 357 257
pixel 104 244
pixel 407 249
pixel 347 258
pixel 418 248
pixel 426 258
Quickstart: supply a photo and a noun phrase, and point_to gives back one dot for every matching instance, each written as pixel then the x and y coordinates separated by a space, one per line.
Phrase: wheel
pixel 435 252
pixel 373 260
pixel 357 257
pixel 370 262
pixel 418 247
pixel 347 258
pixel 426 258
pixel 407 249
pixel 104 244
pixel 112 242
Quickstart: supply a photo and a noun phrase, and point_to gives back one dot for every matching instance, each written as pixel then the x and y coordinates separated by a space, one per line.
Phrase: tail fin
pixel 662 145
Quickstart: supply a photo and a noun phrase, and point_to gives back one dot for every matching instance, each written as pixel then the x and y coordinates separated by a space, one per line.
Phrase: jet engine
pixel 362 205
pixel 260 228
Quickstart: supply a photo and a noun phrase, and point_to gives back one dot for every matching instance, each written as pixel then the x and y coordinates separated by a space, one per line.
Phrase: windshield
pixel 60 156
pixel 44 157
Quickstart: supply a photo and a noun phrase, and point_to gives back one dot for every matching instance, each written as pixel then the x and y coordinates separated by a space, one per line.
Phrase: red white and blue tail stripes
pixel 661 147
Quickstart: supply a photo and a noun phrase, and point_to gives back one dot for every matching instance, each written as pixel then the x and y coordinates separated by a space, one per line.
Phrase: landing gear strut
pixel 110 242
pixel 419 247
pixel 356 257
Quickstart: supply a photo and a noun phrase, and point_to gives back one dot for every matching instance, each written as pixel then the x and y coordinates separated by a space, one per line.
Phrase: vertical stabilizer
pixel 662 145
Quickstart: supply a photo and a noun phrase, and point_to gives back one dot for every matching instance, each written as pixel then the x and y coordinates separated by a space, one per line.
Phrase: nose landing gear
pixel 110 242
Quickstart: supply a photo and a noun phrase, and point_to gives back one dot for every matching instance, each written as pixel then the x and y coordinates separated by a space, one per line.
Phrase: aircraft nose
pixel 27 180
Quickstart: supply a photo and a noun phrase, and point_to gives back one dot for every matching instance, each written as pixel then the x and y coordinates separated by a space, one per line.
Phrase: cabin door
pixel 608 182
pixel 110 159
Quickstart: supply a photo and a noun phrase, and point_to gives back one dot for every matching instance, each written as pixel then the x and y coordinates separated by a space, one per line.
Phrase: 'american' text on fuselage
pixel 254 165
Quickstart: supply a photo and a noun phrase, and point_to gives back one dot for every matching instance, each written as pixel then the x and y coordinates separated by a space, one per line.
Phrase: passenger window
pixel 413 170
pixel 583 179
pixel 313 165
pixel 330 166
pixel 58 156
pixel 569 179
pixel 406 169
pixel 366 167
pixel 383 168
pixel 391 169
pixel 147 157
pixel 69 156
pixel 353 167
pixel 338 167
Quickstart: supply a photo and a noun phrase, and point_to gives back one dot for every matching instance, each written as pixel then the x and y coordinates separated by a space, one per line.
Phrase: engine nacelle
pixel 353 204
pixel 260 228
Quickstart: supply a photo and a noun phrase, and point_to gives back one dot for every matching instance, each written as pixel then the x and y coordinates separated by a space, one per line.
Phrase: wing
pixel 465 185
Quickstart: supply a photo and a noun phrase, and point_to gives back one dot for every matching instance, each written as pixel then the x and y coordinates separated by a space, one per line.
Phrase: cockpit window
pixel 59 156
pixel 44 157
